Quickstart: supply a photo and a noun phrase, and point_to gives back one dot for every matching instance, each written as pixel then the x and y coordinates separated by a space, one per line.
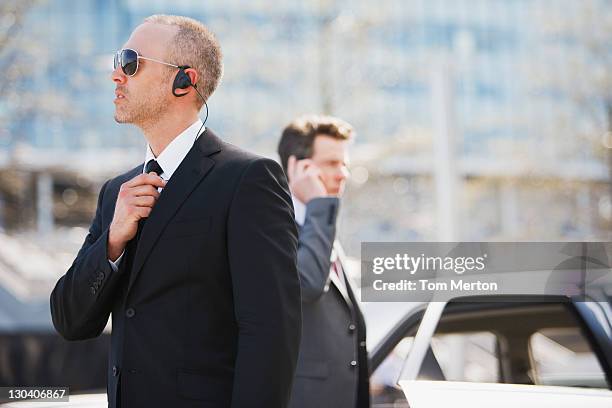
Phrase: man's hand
pixel 305 179
pixel 135 201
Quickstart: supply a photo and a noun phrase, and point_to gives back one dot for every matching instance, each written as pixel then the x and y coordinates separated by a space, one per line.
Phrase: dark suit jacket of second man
pixel 332 368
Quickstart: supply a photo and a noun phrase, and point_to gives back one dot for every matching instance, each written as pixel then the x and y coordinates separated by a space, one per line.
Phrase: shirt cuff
pixel 115 265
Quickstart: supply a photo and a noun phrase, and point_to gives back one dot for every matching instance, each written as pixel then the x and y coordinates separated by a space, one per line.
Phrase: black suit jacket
pixel 209 314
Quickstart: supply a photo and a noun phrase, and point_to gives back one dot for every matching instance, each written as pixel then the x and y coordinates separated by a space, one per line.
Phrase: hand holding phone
pixel 305 180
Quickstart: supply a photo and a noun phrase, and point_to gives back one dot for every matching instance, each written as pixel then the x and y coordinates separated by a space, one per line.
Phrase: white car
pixel 546 351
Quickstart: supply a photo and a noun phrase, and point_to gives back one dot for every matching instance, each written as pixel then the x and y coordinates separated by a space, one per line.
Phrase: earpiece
pixel 181 81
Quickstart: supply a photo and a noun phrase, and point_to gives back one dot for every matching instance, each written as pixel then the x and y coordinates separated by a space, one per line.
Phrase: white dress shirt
pixel 172 156
pixel 299 208
pixel 169 160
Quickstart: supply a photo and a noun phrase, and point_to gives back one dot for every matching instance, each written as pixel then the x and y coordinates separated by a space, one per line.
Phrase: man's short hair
pixel 196 46
pixel 299 136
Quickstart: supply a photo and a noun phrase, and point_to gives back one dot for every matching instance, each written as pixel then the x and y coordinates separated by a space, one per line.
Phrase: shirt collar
pixel 172 156
pixel 300 210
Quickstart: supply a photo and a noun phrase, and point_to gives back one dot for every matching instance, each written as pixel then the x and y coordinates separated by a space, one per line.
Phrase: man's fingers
pixel 312 171
pixel 143 201
pixel 302 165
pixel 136 181
pixel 155 180
pixel 143 212
pixel 134 211
pixel 142 179
pixel 291 168
pixel 144 190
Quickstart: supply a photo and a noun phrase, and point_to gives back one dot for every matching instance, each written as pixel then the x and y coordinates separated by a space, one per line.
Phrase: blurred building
pixel 470 123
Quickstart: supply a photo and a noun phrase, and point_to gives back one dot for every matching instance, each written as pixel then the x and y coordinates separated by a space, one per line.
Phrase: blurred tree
pixel 12 106
pixel 24 57
pixel 15 60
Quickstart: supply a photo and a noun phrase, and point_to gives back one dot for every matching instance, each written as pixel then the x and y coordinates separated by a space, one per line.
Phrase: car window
pixel 468 357
pixel 513 343
pixel 563 356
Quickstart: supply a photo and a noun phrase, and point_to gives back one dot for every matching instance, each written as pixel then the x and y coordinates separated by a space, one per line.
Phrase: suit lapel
pixel 187 176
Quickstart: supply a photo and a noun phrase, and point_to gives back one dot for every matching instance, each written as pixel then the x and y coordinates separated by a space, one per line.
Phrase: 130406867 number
pixel 34 393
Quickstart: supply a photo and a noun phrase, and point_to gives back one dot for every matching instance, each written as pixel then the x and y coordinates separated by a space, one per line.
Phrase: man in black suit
pixel 332 366
pixel 194 258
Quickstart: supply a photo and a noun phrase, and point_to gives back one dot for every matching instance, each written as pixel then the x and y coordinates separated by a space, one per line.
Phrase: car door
pixel 473 352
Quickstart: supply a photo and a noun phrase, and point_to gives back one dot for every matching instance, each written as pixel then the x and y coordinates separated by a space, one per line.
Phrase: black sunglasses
pixel 127 59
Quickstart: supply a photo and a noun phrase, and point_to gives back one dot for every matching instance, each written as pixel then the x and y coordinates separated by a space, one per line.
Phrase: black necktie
pixel 152 166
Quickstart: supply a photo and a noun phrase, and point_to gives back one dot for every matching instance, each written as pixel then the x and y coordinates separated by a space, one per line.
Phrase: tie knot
pixel 153 166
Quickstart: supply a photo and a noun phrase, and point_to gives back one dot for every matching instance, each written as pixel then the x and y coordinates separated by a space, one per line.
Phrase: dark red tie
pixel 337 269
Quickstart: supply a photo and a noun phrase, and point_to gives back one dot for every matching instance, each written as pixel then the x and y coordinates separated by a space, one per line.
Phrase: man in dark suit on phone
pixel 193 252
pixel 332 366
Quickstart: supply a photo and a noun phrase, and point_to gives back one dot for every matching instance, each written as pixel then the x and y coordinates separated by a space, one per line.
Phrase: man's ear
pixel 193 75
pixel 184 88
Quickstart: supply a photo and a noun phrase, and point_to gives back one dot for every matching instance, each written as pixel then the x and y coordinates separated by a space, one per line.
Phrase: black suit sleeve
pixel 82 298
pixel 315 246
pixel 262 247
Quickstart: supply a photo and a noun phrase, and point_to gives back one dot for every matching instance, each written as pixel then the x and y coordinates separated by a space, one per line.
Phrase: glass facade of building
pixel 369 63
pixel 526 97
